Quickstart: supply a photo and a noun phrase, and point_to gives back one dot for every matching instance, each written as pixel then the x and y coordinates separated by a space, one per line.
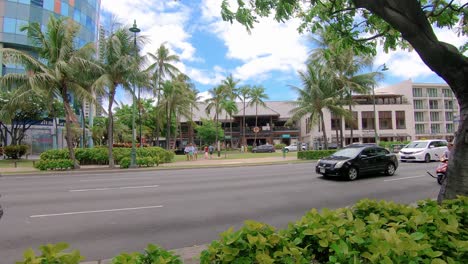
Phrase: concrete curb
pixel 189 255
pixel 175 167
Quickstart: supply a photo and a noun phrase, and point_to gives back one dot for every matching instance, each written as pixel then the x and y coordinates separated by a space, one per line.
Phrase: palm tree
pixel 317 93
pixel 345 68
pixel 57 69
pixel 161 68
pixel 244 95
pixel 230 107
pixel 257 97
pixel 217 95
pixel 118 63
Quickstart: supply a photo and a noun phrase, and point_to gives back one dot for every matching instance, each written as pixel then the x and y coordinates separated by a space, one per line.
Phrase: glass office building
pixel 16 13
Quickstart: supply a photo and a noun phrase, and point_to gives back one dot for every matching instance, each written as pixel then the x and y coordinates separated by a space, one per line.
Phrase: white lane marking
pixel 112 179
pixel 114 188
pixel 97 211
pixel 412 177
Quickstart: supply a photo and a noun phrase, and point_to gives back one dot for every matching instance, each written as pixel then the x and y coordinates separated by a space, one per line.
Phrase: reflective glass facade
pixel 16 13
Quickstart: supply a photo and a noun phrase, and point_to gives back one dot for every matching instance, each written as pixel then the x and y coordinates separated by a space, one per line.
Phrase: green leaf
pixel 417 236
pixel 323 243
pixel 438 261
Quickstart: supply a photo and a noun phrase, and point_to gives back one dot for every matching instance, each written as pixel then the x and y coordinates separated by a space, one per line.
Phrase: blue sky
pixel 211 49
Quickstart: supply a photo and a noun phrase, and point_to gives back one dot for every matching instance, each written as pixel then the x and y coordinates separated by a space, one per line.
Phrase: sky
pixel 210 49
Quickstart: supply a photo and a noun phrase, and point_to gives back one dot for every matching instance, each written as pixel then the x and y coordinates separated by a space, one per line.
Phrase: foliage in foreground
pixel 15 151
pixel 368 232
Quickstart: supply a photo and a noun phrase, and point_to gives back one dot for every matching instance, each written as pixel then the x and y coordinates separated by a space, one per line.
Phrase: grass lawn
pixel 238 155
pixel 19 163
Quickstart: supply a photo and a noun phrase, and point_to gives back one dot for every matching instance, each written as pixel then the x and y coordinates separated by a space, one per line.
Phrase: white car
pixel 293 147
pixel 423 150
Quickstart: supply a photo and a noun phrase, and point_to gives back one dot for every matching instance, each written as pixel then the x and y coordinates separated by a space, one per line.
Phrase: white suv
pixel 423 150
pixel 293 147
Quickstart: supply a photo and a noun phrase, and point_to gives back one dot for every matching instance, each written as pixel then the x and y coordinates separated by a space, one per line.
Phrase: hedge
pixel 98 156
pixel 280 146
pixel 55 164
pixel 314 154
pixel 388 144
pixel 368 232
pixel 15 151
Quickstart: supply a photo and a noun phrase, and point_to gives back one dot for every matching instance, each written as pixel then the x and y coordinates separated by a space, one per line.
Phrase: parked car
pixel 356 160
pixel 264 148
pixel 293 147
pixel 423 150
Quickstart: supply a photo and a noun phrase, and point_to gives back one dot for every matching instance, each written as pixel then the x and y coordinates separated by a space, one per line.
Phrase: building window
pixel 448 116
pixel 435 128
pixel 435 116
pixel 367 120
pixel 449 128
pixel 39 3
pixel 400 120
pixel 420 129
pixel 9 25
pixel 335 122
pixel 352 124
pixel 447 93
pixel 76 15
pixel 448 104
pixel 64 9
pixel 433 104
pixel 417 92
pixel 418 104
pixel 419 116
pixel 49 5
pixel 385 120
pixel 432 92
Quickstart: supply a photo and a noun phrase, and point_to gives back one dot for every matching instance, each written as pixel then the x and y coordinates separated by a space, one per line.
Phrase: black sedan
pixel 264 148
pixel 354 160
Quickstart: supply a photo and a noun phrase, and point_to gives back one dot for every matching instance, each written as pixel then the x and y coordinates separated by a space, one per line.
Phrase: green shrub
pixel 253 243
pixel 152 255
pixel 15 151
pixel 125 163
pixel 1 151
pixel 314 154
pixel 388 144
pixel 280 146
pixel 53 154
pixel 385 232
pixel 52 254
pixel 99 156
pixel 55 164
pixel 249 148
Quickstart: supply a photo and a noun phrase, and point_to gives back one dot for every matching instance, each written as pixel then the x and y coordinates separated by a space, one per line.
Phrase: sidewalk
pixel 200 163
pixel 188 255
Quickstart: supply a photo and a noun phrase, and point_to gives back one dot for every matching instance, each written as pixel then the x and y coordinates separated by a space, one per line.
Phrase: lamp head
pixel 385 68
pixel 134 29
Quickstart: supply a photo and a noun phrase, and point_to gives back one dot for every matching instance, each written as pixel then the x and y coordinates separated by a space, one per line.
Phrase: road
pixel 105 214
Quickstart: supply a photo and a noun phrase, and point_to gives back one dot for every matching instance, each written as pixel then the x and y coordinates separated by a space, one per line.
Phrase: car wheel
pixel 352 173
pixel 390 170
pixel 427 158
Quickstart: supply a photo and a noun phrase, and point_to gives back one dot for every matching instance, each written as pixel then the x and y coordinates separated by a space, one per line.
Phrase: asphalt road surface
pixel 105 214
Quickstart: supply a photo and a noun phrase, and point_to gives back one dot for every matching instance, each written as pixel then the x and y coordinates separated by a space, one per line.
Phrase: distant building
pixel 271 123
pixel 404 111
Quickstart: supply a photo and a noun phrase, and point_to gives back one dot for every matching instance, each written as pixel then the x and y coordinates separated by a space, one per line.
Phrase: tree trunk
pixel 324 131
pixel 68 124
pixel 110 128
pixel 244 141
pixel 230 128
pixel 256 120
pixel 168 126
pixel 351 123
pixel 444 59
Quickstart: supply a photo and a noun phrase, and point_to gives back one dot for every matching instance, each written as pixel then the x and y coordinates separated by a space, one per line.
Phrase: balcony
pixel 285 129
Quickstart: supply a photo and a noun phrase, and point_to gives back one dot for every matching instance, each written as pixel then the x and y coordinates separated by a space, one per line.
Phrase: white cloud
pixel 270 46
pixel 204 95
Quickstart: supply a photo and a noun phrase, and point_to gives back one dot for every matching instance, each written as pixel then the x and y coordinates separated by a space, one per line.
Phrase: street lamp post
pixel 135 30
pixel 376 135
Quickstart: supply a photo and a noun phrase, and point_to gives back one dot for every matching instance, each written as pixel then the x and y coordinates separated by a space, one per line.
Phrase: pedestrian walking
pixel 186 151
pixel 206 152
pixel 195 151
pixel 211 150
pixel 191 151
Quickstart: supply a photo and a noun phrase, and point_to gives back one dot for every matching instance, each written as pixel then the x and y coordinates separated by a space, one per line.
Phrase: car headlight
pixel 340 164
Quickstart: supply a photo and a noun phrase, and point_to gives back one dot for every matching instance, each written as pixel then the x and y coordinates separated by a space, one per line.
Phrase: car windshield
pixel 417 144
pixel 347 152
